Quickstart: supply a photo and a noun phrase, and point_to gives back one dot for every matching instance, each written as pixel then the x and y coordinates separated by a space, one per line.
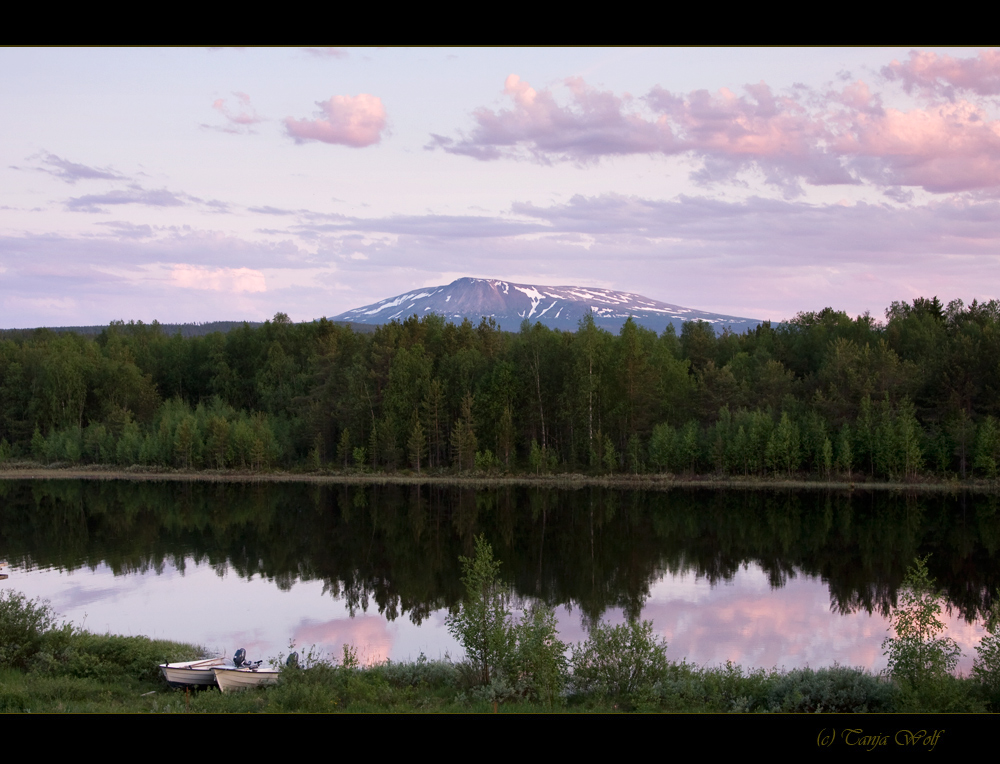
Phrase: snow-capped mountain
pixel 559 307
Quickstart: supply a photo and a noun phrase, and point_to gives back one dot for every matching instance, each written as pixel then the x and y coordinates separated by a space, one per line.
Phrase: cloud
pixel 71 172
pixel 938 75
pixel 445 226
pixel 239 119
pixel 327 52
pixel 218 279
pixel 129 230
pixel 595 124
pixel 759 257
pixel 134 194
pixel 269 210
pixel 943 149
pixel 841 136
pixel 356 121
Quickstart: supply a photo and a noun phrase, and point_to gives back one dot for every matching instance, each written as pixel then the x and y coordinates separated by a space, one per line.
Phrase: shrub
pixel 27 628
pixel 917 654
pixel 539 667
pixel 986 667
pixel 831 690
pixel 620 662
pixel 420 673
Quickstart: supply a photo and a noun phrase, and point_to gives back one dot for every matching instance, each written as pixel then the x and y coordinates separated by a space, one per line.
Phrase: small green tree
pixel 917 653
pixel 535 457
pixel 417 443
pixel 482 622
pixel 344 448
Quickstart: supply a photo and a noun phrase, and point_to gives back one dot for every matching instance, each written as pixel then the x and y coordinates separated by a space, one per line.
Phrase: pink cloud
pixel 946 148
pixel 350 121
pixel 595 124
pixel 218 279
pixel 838 137
pixel 931 74
pixel 242 117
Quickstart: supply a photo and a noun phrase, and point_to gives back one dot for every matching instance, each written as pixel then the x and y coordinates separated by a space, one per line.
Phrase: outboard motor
pixel 240 658
pixel 292 661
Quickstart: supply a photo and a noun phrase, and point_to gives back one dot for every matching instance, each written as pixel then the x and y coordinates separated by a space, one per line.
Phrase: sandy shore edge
pixel 563 481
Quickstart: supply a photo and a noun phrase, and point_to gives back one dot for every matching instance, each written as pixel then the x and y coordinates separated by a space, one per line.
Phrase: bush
pixel 539 667
pixel 917 654
pixel 422 673
pixel 620 662
pixel 27 628
pixel 986 668
pixel 839 690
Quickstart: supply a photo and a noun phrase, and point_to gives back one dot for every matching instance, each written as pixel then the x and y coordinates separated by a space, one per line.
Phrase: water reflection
pixel 778 578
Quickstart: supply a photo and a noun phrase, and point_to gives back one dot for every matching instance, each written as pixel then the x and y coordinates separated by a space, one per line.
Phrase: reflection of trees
pixel 396 548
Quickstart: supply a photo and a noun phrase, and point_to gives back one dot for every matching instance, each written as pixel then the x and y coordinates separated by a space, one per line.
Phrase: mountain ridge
pixel 559 307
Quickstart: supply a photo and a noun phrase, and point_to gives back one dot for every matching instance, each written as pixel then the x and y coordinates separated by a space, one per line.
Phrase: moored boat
pixel 191 673
pixel 243 675
pixel 230 678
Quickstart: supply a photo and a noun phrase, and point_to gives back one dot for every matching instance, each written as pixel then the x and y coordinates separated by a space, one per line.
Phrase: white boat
pixel 192 673
pixel 244 674
pixel 230 678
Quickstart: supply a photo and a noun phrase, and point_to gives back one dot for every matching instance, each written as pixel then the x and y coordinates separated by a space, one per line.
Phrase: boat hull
pixel 232 679
pixel 191 673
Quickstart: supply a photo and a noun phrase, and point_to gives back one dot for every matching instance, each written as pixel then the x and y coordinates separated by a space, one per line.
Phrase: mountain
pixel 559 307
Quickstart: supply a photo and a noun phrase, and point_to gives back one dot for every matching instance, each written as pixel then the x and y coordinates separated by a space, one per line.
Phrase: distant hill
pixel 559 307
pixel 185 330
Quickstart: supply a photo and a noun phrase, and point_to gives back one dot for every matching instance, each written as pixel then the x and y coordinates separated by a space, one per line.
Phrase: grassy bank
pixel 111 674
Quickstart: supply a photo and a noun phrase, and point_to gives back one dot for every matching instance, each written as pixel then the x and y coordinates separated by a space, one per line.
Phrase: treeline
pixel 822 394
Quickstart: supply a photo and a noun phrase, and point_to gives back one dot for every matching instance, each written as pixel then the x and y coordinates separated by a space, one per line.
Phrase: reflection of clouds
pixel 368 634
pixel 749 623
pixel 744 620
pixel 77 596
pixel 758 626
pixel 258 646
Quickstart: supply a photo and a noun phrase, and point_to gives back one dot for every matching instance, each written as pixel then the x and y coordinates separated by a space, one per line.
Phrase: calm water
pixel 761 578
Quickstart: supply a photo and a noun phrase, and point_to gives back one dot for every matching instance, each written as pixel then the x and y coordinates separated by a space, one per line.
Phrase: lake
pixel 763 578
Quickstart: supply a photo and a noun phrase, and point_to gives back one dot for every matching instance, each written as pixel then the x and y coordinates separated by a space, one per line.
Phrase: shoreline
pixel 566 481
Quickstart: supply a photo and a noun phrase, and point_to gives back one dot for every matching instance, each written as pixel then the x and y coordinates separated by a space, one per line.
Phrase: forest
pixel 912 397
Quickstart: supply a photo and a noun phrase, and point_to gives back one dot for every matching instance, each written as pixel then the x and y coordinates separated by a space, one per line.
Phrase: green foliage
pixel 481 622
pixel 27 628
pixel 620 662
pixel 836 690
pixel 360 456
pixel 486 461
pixel 917 654
pixel 31 640
pixel 507 660
pixel 986 667
pixel 538 669
pixel 895 401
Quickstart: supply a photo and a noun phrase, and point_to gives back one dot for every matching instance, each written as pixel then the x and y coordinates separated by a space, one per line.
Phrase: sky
pixel 191 185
